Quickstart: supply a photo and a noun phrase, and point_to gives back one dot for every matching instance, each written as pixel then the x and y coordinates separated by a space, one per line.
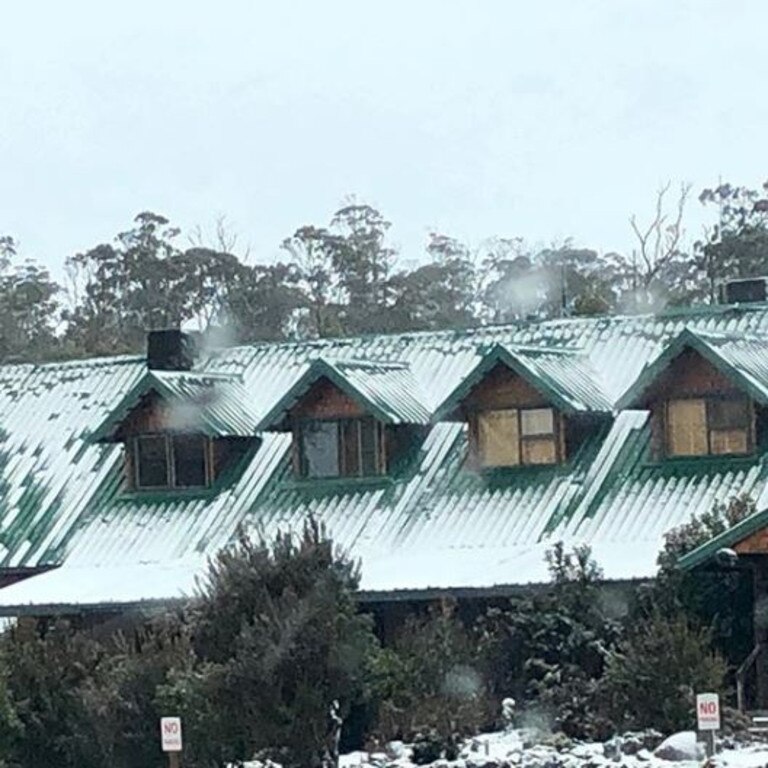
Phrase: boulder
pixel 680 746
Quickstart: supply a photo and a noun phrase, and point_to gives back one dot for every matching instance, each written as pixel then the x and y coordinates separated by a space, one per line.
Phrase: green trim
pixel 498 353
pixel 153 382
pixel 318 369
pixel 318 485
pixel 687 339
pixel 726 539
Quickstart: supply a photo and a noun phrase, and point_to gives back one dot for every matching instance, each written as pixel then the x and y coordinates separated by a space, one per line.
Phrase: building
pixel 447 462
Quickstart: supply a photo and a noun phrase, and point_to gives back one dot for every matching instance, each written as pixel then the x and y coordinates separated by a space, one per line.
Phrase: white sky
pixel 538 119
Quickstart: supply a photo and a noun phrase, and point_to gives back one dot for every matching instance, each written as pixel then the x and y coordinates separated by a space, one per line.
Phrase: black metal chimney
pixel 170 350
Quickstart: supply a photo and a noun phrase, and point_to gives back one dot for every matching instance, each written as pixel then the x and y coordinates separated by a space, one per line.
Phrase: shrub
pixel 653 674
pixel 548 649
pixel 277 638
pixel 427 684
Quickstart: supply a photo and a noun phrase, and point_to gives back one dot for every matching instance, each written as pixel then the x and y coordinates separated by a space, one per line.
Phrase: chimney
pixel 746 291
pixel 170 350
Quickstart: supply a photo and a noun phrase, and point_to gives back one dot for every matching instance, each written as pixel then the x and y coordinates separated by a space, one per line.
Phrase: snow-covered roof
pixel 435 524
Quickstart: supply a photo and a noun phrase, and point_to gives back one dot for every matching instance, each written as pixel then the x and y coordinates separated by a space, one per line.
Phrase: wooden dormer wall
pixel 150 415
pixel 325 400
pixel 503 388
pixel 689 375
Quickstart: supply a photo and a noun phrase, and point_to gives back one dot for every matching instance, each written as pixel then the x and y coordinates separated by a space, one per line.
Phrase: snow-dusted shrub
pixel 548 649
pixel 427 684
pixel 652 676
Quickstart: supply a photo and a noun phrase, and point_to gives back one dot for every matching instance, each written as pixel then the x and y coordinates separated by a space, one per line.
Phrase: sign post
pixel 170 739
pixel 708 718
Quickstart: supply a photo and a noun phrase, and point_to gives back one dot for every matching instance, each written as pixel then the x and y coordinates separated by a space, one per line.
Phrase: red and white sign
pixel 708 711
pixel 170 734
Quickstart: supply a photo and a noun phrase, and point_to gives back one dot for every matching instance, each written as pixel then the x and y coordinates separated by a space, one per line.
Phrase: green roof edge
pixel 499 353
pixel 319 368
pixel 148 382
pixel 727 538
pixel 686 338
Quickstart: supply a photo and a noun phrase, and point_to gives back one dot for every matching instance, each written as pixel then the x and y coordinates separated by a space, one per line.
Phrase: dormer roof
pixel 565 377
pixel 386 390
pixel 213 404
pixel 741 358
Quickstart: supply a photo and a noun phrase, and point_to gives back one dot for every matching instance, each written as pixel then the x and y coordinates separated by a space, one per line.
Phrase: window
pixel 699 427
pixel 171 461
pixel 341 448
pixel 510 437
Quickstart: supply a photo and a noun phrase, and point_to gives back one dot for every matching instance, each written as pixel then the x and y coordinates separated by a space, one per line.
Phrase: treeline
pixel 255 663
pixel 347 278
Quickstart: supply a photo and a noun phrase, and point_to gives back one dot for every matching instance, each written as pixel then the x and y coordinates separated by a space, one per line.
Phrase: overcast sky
pixel 537 119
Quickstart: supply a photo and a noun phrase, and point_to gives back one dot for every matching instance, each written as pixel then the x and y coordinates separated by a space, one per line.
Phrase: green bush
pixel 277 638
pixel 427 685
pixel 548 649
pixel 652 676
pixel 73 700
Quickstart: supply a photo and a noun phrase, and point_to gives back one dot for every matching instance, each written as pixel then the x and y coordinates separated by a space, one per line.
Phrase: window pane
pixel 189 461
pixel 537 421
pixel 369 433
pixel 540 450
pixel 498 438
pixel 350 447
pixel 728 441
pixel 727 414
pixel 320 449
pixel 686 428
pixel 151 462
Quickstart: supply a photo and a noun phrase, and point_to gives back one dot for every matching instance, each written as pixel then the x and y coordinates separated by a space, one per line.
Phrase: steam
pixel 462 682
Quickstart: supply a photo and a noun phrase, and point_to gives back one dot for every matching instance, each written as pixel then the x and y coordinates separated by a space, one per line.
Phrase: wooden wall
pixel 689 375
pixel 502 388
pixel 325 400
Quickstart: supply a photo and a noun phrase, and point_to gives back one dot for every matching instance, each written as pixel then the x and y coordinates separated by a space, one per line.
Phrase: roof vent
pixel 749 290
pixel 170 350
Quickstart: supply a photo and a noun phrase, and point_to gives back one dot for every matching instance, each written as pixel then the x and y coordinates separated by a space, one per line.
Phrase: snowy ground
pixel 522 749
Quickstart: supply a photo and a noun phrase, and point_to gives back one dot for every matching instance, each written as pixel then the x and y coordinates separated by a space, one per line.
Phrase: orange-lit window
pixel 511 437
pixel 708 426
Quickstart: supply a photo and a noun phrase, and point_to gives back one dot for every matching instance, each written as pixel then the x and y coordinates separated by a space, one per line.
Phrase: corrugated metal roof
pixel 566 377
pixel 214 404
pixel 742 358
pixel 436 524
pixel 388 390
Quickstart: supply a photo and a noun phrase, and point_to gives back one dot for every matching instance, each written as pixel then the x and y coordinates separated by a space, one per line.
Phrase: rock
pixel 631 744
pixel 612 748
pixel 680 746
pixel 395 749
pixel 644 755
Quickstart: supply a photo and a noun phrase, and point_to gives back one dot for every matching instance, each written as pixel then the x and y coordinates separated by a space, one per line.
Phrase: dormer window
pixel 708 426
pixel 706 394
pixel 171 461
pixel 512 436
pixel 527 407
pixel 350 418
pixel 341 448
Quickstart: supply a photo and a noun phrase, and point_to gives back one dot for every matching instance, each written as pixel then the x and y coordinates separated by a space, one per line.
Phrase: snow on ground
pixel 523 749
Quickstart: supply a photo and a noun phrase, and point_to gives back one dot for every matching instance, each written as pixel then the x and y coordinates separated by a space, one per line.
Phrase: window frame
pixel 709 401
pixel 342 456
pixel 522 438
pixel 170 462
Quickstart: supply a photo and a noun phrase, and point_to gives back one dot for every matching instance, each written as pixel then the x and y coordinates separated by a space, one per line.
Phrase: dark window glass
pixel 369 447
pixel 152 462
pixel 727 414
pixel 350 447
pixel 189 465
pixel 344 448
pixel 320 449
